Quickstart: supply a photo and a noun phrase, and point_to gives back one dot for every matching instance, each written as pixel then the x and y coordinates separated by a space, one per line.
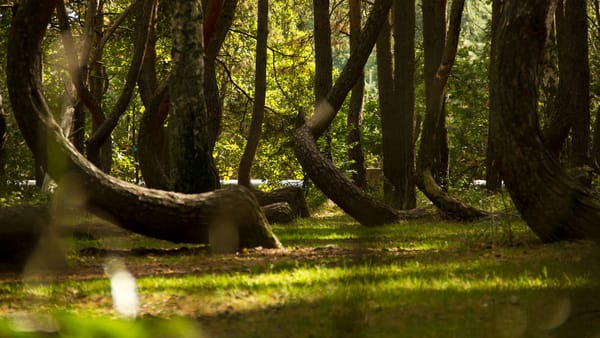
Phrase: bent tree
pixel 166 215
pixel 362 207
pixel 554 205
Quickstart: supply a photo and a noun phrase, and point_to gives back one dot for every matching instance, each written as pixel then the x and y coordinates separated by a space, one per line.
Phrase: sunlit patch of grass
pixel 420 279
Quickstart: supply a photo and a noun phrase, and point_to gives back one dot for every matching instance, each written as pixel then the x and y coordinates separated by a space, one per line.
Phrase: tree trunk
pixel 192 166
pixel 404 94
pixel 323 59
pixel 260 92
pixel 574 83
pixel 433 150
pixel 553 204
pixel 165 215
pixel 293 196
pixel 365 209
pixel 356 155
pixel 389 118
pixel 213 40
pixel 2 149
pixel 428 158
pixel 278 213
pixel 572 101
pixel 152 140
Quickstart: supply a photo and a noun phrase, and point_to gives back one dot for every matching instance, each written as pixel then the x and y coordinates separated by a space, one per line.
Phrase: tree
pixel 171 216
pixel 260 91
pixel 428 160
pixel 323 57
pixel 554 205
pixel 365 209
pixel 403 157
pixel 2 149
pixel 572 101
pixel 493 181
pixel 192 165
pixel 355 112
pixel 434 151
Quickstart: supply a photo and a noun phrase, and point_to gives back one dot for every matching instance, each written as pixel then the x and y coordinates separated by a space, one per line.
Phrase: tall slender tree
pixel 323 58
pixel 435 149
pixel 355 112
pixel 404 99
pixel 260 91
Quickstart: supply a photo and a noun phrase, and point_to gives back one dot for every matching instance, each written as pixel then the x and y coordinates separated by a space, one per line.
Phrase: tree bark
pixel 554 205
pixel 2 148
pixel 434 141
pixel 165 215
pixel 493 181
pixel 152 139
pixel 323 59
pixel 101 135
pixel 293 196
pixel 428 158
pixel 278 213
pixel 192 166
pixel 214 42
pixel 572 101
pixel 404 94
pixel 356 154
pixel 365 209
pixel 260 92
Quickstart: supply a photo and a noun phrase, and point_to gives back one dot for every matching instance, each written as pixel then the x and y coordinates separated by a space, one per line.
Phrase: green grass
pixel 336 278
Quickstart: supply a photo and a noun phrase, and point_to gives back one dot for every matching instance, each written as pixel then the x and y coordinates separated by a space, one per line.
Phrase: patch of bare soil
pixel 88 263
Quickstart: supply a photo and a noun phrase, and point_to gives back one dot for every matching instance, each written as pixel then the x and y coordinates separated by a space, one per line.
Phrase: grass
pixel 336 278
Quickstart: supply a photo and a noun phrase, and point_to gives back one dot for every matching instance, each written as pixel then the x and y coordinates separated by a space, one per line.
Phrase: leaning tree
pixel 554 205
pixel 166 215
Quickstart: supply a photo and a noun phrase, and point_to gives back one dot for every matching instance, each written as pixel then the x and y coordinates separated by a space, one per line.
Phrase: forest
pixel 365 168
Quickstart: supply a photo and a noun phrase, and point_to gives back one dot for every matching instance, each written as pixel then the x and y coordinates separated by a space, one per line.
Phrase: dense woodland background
pixel 179 96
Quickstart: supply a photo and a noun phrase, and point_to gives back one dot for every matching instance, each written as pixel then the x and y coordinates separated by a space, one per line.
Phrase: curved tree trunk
pixel 553 204
pixel 434 127
pixel 365 209
pixel 165 215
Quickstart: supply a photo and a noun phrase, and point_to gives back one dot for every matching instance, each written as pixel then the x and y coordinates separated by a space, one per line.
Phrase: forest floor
pixel 427 278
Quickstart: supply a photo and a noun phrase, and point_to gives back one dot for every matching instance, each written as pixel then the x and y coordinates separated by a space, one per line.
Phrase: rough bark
pixel 428 158
pixel 192 166
pixel 293 196
pixel 404 99
pixel 493 181
pixel 365 209
pixel 278 213
pixel 572 100
pixel 389 118
pixel 2 149
pixel 356 154
pixel 434 142
pixel 260 92
pixel 152 139
pixel 554 205
pixel 323 60
pixel 165 215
